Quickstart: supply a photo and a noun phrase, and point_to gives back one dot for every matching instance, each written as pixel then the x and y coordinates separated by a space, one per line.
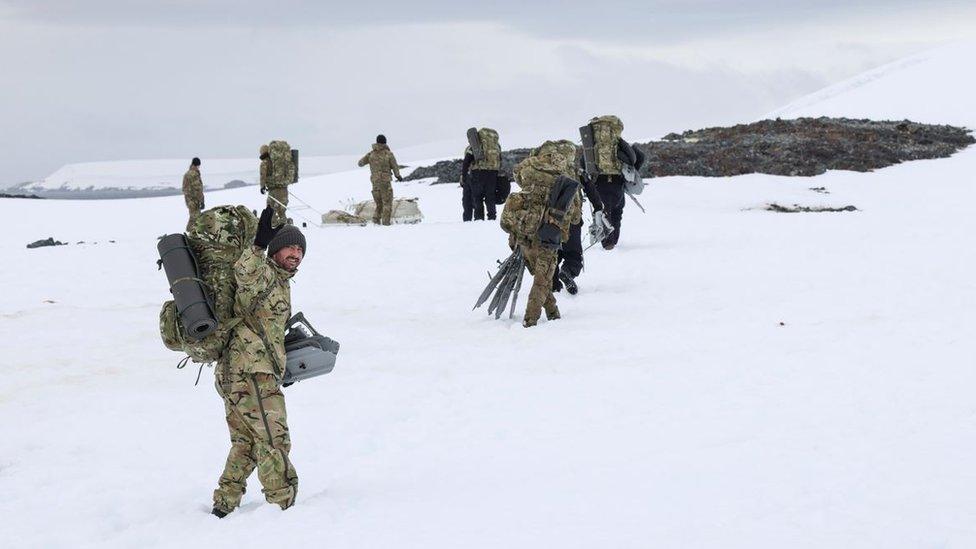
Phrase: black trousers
pixel 611 189
pixel 482 187
pixel 467 202
pixel 571 252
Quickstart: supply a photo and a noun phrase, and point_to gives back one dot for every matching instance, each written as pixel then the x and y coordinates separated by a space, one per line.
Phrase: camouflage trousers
pixel 256 418
pixel 383 198
pixel 542 266
pixel 194 214
pixel 281 195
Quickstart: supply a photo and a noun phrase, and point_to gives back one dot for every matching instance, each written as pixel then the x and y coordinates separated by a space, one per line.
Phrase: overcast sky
pixel 109 80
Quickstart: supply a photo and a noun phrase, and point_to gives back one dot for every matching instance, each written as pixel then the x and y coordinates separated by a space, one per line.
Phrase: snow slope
pixel 934 87
pixel 727 377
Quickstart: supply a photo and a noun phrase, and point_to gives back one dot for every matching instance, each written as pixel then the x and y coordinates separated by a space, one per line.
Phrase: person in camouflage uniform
pixel 275 182
pixel 536 176
pixel 264 172
pixel 381 162
pixel 250 372
pixel 479 178
pixel 193 191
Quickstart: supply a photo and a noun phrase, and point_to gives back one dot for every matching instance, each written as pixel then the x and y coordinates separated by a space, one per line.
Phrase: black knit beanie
pixel 289 235
pixel 381 139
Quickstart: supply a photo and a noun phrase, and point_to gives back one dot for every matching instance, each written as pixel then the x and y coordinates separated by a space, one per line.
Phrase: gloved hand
pixel 265 231
pixel 263 190
pixel 600 219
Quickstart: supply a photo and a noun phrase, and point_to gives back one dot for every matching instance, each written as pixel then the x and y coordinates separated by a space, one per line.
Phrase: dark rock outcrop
pixel 796 208
pixel 46 242
pixel 800 147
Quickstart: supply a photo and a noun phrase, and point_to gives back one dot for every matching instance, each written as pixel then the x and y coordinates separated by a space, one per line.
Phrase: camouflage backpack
pixel 525 211
pixel 492 150
pixel 283 169
pixel 217 238
pixel 606 132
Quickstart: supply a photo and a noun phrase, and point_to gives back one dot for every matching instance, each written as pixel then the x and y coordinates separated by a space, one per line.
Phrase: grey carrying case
pixel 308 353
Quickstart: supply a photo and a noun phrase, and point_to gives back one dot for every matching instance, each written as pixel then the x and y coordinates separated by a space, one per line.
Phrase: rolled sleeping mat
pixel 589 151
pixel 192 305
pixel 474 140
pixel 562 193
pixel 641 158
pixel 625 153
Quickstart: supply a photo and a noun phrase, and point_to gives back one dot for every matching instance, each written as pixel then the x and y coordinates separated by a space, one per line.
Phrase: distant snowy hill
pixel 168 174
pixel 936 87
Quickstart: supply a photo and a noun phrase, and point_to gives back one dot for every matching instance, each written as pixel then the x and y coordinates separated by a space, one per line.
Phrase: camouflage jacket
pixel 193 189
pixel 381 162
pixel 263 301
pixel 265 173
pixel 536 175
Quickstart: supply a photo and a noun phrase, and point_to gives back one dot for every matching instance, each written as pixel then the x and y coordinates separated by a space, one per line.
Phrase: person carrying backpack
pixel 193 191
pixel 479 174
pixel 381 162
pixel 278 171
pixel 610 180
pixel 249 373
pixel 537 219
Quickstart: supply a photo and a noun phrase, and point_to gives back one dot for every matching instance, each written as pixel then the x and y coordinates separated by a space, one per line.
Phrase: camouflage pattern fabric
pixel 264 177
pixel 282 168
pixel 193 194
pixel 383 198
pixel 256 418
pixel 249 378
pixel 576 208
pixel 381 162
pixel 541 263
pixel 278 200
pixel 606 132
pixel 263 302
pixel 492 150
pixel 536 175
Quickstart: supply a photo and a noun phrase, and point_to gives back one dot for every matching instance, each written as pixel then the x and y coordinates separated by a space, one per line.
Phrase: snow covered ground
pixel 727 377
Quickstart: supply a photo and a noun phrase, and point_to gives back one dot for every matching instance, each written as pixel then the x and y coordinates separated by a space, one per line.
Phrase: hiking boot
pixel 219 513
pixel 568 281
pixel 527 323
pixel 554 315
pixel 608 245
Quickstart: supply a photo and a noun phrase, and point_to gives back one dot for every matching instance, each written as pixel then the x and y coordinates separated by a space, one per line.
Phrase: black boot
pixel 568 281
pixel 219 513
